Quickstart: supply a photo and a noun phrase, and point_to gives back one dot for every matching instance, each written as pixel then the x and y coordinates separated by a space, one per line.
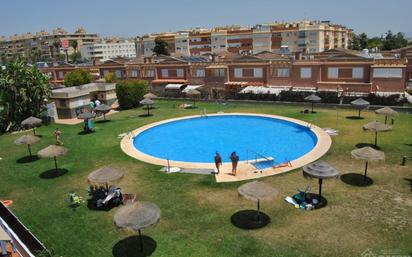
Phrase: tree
pixel 161 47
pixel 375 42
pixel 24 92
pixel 77 78
pixel 110 77
pixel 391 41
pixel 74 44
pixel 363 41
pixel 130 93
pixel 75 57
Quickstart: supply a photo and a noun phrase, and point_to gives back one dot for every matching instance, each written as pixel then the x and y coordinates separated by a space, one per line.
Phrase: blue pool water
pixel 197 139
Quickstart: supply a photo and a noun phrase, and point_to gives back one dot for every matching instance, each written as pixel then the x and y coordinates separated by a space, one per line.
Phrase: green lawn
pixel 196 210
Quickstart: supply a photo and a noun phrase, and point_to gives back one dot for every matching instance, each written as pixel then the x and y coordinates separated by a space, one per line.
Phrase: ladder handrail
pixel 258 154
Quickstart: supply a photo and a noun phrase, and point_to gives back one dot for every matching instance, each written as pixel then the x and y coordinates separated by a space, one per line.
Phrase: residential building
pixel 108 49
pixel 304 36
pixel 47 44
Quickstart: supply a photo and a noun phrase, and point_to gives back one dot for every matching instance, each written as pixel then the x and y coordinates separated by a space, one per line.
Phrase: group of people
pixel 104 196
pixel 94 104
pixel 233 157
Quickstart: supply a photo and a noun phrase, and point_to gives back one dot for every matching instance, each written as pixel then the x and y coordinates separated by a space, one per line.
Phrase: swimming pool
pixel 196 139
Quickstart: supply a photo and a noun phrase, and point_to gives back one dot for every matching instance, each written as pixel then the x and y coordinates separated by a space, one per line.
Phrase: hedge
pixel 130 93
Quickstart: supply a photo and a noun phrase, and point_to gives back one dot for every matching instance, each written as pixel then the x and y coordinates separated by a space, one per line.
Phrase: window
pixel 306 73
pixel 165 73
pixel 333 73
pixel 118 74
pixel 199 73
pixel 257 72
pixel 357 73
pixel 179 73
pixel 60 74
pixel 148 73
pixel 387 73
pixel 282 72
pixel 134 73
pixel 238 72
pixel 218 72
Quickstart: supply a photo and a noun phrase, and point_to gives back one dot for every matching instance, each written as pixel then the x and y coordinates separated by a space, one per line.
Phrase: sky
pixel 131 18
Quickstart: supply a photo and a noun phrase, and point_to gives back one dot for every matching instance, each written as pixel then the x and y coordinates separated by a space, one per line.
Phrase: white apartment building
pixel 219 41
pixel 182 44
pixel 108 50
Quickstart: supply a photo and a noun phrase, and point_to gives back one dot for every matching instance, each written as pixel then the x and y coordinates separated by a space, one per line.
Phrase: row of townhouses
pixel 332 70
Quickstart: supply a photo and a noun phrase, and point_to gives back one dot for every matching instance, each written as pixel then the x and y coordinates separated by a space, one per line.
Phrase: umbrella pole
pixel 312 107
pixel 148 111
pixel 28 146
pixel 141 240
pixel 55 162
pixel 386 118
pixel 320 190
pixel 258 210
pixel 359 113
pixel 34 131
pixel 376 138
pixel 104 116
pixel 366 170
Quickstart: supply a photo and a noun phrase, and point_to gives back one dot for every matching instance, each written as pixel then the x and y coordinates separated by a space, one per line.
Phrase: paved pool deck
pixel 245 171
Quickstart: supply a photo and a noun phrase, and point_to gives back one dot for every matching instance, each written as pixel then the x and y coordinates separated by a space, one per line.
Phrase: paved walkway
pixel 75 121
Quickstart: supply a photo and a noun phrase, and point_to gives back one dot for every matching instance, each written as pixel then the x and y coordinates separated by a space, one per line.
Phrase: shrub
pixel 77 78
pixel 110 77
pixel 130 93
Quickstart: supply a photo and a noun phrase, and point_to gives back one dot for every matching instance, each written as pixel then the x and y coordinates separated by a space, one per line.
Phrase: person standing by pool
pixel 57 135
pixel 235 159
pixel 218 162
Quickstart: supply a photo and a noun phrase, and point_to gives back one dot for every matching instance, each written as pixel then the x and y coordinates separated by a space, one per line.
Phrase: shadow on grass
pixel 130 247
pixel 354 118
pixel 53 173
pixel 409 181
pixel 356 179
pixel 323 202
pixel 145 115
pixel 102 121
pixel 83 133
pixel 27 159
pixel 360 145
pixel 249 219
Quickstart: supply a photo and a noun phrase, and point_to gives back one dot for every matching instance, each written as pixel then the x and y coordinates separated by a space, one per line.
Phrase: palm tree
pixel 56 45
pixel 74 44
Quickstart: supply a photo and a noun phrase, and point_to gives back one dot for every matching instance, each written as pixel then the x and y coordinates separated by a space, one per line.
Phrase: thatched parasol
pixel 320 170
pixel 368 154
pixel 313 99
pixel 193 93
pixel 105 176
pixel 103 108
pixel 360 104
pixel 137 216
pixel 53 151
pixel 376 127
pixel 148 102
pixel 32 122
pixel 258 191
pixel 150 96
pixel 27 140
pixel 387 112
pixel 86 115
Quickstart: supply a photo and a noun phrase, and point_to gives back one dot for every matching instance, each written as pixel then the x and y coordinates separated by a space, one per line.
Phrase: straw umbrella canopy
pixel 193 93
pixel 27 140
pixel 313 99
pixel 258 191
pixel 368 154
pixel 387 112
pixel 320 170
pixel 150 96
pixel 105 176
pixel 103 108
pixel 360 104
pixel 86 115
pixel 376 127
pixel 53 151
pixel 137 216
pixel 148 102
pixel 32 122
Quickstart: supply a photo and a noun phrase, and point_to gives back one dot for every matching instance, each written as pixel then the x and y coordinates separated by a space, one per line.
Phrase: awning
pixel 171 81
pixel 174 86
pixel 263 90
pixel 304 89
pixel 191 87
pixel 216 66
pixel 244 83
pixel 3 235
